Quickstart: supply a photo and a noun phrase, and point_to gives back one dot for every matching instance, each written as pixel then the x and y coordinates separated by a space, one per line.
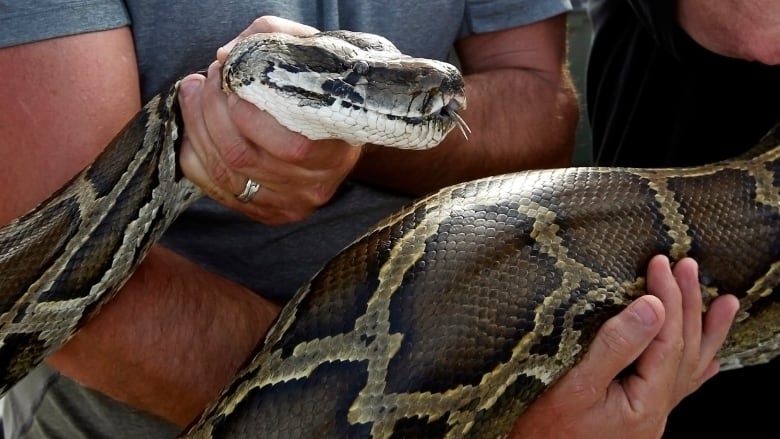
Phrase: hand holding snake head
pixel 283 157
pixel 356 87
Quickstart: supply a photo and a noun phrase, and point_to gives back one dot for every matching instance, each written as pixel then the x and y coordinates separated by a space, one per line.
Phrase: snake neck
pixel 81 244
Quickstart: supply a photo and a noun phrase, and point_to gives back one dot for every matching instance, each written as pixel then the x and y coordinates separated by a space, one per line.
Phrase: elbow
pixel 567 117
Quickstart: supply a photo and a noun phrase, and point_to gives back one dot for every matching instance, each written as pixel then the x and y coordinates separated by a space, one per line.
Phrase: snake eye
pixel 361 67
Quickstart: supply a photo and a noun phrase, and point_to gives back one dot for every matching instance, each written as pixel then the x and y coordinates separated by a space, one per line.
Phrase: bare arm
pixel 170 341
pixel 64 99
pixel 522 110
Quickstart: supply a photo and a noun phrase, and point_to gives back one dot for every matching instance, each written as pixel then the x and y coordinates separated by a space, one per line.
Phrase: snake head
pixel 352 86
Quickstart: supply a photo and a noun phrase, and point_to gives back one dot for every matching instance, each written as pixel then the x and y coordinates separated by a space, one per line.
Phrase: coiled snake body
pixel 449 317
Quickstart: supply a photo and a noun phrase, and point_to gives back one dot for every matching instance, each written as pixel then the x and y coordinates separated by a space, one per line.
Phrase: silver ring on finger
pixel 250 190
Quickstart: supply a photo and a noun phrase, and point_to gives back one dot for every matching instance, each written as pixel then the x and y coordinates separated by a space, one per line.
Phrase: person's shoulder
pixel 494 15
pixel 26 22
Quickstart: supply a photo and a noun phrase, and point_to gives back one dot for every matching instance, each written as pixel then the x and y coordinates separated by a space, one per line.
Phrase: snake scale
pixel 449 317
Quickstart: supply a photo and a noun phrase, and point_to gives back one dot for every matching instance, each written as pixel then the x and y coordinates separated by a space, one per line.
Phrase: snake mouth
pixel 446 116
pixel 450 112
pixel 391 100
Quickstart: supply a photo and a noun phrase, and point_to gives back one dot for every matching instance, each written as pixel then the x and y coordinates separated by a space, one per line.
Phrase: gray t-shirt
pixel 173 38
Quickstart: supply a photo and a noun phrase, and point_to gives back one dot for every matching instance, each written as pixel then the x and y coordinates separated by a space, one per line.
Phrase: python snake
pixel 449 317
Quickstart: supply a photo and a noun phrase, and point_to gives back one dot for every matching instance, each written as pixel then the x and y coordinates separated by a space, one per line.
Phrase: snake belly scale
pixel 448 318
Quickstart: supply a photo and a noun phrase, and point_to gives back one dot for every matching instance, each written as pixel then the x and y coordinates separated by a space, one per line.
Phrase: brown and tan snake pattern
pixel 445 320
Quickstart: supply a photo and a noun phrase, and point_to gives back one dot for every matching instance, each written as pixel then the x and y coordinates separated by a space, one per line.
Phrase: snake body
pixel 448 318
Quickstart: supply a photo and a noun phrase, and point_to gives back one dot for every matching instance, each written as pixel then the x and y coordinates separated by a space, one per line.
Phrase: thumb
pixel 620 341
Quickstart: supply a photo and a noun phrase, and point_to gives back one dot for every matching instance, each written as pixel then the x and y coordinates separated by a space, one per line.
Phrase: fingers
pixel 201 163
pixel 207 168
pixel 702 336
pixel 267 24
pixel 687 278
pixel 653 386
pixel 619 342
pixel 228 142
pixel 656 369
pixel 680 358
pixel 230 146
pixel 672 350
pixel 581 403
pixel 693 361
pixel 717 323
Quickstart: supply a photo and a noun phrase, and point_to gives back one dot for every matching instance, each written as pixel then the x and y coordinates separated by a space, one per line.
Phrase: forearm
pixel 171 339
pixel 519 119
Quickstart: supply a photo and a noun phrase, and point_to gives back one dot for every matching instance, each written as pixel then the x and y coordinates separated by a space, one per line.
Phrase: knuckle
pixel 613 338
pixel 287 213
pixel 264 217
pixel 297 215
pixel 298 150
pixel 318 191
pixel 293 214
pixel 677 347
pixel 694 384
pixel 263 24
pixel 236 153
pixel 244 114
pixel 265 213
pixel 579 386
pixel 220 175
pixel 319 195
pixel 349 158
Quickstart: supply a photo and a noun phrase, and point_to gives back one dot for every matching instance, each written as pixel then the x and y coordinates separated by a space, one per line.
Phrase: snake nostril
pixel 361 67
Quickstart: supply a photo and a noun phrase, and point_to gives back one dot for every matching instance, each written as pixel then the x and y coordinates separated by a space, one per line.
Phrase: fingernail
pixel 645 312
pixel 215 69
pixel 188 87
pixel 223 51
